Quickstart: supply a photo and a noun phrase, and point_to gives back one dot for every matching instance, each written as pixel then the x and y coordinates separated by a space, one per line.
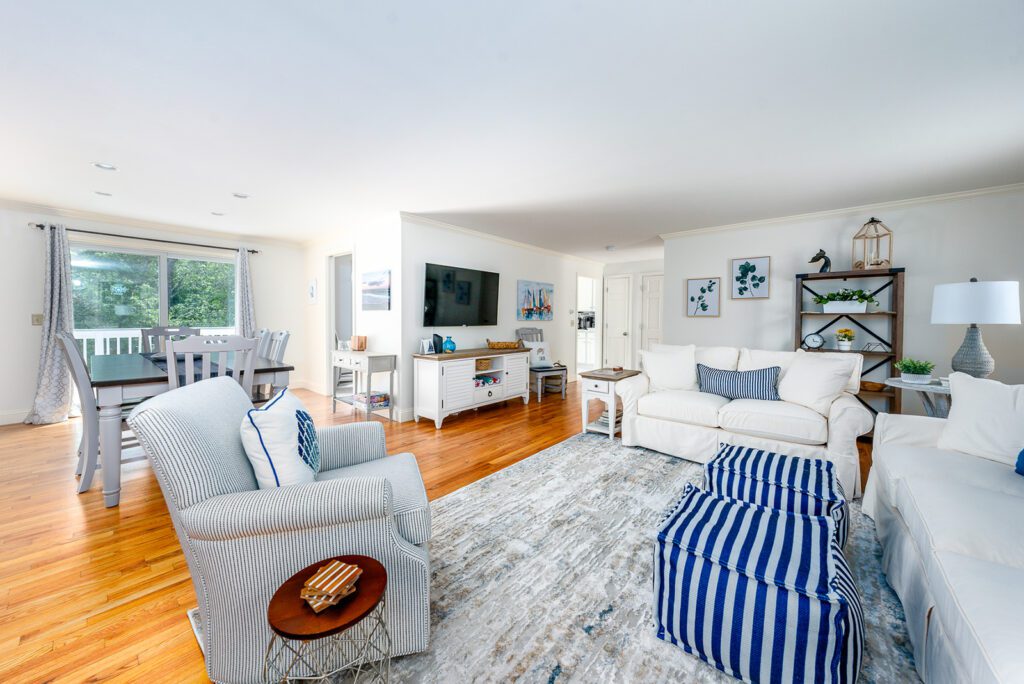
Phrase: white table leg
pixel 585 412
pixel 610 403
pixel 110 453
pixel 391 395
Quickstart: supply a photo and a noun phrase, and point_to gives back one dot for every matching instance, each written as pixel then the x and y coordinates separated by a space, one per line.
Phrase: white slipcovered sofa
pixel 691 424
pixel 949 523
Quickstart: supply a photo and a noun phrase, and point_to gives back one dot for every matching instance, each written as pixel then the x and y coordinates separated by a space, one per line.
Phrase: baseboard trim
pixel 13 417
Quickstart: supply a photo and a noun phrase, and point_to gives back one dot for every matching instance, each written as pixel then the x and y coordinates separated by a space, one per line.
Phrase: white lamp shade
pixel 983 303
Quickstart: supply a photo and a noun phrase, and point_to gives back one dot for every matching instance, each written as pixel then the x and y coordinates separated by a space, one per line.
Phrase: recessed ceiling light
pixel 104 194
pixel 610 248
pixel 240 195
pixel 217 213
pixel 104 166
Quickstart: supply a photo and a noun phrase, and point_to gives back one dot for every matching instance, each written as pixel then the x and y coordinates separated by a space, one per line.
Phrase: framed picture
pixel 703 297
pixel 751 277
pixel 376 291
pixel 534 301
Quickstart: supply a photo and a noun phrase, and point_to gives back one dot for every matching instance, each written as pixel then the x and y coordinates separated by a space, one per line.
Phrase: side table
pixel 934 396
pixel 350 638
pixel 539 378
pixel 600 384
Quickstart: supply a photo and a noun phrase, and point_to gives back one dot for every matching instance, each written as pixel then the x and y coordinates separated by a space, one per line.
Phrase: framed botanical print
pixel 750 278
pixel 703 297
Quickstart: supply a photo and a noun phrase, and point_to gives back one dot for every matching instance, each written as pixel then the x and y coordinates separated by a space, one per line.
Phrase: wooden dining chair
pixel 278 343
pixel 211 349
pixel 263 345
pixel 155 339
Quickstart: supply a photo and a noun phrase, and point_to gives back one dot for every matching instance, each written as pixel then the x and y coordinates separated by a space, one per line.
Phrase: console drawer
pixel 596 386
pixel 489 393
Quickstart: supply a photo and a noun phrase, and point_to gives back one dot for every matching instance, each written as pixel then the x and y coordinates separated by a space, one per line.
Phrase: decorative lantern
pixel 872 246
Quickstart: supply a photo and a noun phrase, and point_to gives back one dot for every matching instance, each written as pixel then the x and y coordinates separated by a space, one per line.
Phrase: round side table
pixel 934 395
pixel 347 639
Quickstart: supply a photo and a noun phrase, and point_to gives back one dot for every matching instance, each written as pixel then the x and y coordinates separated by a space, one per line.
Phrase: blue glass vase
pixel 449 345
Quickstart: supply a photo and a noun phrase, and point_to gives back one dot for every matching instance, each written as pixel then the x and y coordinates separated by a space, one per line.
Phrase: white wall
pixel 938 240
pixel 636 269
pixel 277 283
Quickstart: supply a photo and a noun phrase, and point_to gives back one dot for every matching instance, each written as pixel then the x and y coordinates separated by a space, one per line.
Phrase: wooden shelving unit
pixel 884 326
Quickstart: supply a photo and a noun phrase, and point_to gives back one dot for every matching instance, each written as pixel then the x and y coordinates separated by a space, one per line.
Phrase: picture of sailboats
pixel 535 301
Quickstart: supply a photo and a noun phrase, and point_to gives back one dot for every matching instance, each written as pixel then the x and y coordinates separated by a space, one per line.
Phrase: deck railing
pixel 121 340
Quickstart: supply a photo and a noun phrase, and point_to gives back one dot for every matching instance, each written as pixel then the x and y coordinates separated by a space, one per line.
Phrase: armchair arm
pixel 352 444
pixel 909 430
pixel 848 418
pixel 630 390
pixel 288 509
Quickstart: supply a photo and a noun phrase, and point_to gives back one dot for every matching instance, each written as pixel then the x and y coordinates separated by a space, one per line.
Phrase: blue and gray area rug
pixel 542 573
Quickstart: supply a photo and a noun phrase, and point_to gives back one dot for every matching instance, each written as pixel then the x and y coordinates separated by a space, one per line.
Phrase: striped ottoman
pixel 787 483
pixel 761 594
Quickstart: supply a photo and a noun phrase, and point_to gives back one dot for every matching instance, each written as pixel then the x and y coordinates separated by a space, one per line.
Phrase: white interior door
pixel 616 321
pixel 650 310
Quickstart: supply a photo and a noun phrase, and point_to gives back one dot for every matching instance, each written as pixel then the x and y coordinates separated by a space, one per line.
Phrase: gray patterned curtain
pixel 53 384
pixel 245 308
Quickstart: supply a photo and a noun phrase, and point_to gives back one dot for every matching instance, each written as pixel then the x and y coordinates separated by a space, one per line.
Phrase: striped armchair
pixel 242 542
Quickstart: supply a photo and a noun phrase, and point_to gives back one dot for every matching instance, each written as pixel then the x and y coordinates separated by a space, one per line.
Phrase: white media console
pixel 444 384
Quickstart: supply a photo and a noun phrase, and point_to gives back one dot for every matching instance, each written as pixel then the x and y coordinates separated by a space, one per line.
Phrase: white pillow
pixel 756 359
pixel 986 419
pixel 722 358
pixel 538 354
pixel 814 381
pixel 280 441
pixel 670 370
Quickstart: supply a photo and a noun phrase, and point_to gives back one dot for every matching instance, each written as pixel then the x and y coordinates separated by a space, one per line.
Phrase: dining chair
pixel 160 334
pixel 263 346
pixel 211 349
pixel 530 334
pixel 278 343
pixel 89 446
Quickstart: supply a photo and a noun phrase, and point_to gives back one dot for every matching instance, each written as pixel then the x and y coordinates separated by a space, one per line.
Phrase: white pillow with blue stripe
pixel 280 441
pixel 752 384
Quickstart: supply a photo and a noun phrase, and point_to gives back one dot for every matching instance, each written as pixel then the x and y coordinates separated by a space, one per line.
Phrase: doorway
pixel 650 309
pixel 342 318
pixel 617 347
pixel 586 324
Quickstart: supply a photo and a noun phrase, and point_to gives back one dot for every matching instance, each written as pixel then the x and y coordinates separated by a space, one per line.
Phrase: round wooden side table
pixel 350 638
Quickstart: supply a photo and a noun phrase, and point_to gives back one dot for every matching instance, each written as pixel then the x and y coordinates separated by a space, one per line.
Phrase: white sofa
pixel 949 525
pixel 691 424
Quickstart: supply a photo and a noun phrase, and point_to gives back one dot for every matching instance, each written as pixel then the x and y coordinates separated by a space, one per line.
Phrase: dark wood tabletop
pixel 107 370
pixel 291 617
pixel 609 374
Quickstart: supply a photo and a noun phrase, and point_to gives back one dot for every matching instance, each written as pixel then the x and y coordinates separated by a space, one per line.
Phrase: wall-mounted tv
pixel 459 296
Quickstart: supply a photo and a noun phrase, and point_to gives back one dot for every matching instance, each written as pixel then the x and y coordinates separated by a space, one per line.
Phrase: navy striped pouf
pixel 761 594
pixel 788 483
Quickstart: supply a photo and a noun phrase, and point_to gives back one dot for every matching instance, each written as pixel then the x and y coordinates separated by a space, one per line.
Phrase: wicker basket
pixel 483 364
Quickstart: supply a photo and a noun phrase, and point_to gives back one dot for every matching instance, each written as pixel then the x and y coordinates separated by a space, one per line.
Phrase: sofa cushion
pixel 814 381
pixel 716 357
pixel 412 511
pixel 774 420
pixel 755 384
pixel 682 406
pixel 986 419
pixel 752 359
pixel 670 370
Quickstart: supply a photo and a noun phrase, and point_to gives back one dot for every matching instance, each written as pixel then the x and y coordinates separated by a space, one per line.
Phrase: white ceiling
pixel 569 125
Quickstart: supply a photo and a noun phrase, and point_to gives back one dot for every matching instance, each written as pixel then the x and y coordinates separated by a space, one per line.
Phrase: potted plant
pixel 915 372
pixel 845 301
pixel 844 339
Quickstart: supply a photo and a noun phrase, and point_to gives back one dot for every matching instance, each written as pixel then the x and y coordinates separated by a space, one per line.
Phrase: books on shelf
pixel 375 400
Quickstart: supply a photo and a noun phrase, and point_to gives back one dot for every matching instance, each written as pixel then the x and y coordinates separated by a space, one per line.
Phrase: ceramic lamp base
pixel 972 357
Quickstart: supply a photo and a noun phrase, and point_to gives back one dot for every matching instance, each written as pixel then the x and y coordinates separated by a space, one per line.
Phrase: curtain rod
pixel 42 226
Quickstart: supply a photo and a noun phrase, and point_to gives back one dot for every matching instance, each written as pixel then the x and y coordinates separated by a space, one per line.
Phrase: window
pixel 123 289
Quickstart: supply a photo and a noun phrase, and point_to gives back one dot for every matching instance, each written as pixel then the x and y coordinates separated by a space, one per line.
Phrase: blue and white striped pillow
pixel 752 384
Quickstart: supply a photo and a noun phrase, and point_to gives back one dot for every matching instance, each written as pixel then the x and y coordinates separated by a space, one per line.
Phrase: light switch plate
pixel 37 319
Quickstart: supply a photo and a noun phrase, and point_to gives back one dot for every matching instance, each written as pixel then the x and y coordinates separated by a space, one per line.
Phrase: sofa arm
pixel 352 444
pixel 848 418
pixel 288 509
pixel 630 390
pixel 918 431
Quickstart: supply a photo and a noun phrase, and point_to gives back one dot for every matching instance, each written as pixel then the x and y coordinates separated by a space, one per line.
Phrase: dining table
pixel 119 379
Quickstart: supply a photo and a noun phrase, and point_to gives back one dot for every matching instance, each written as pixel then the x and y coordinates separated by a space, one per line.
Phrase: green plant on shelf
pixel 846 295
pixel 914 367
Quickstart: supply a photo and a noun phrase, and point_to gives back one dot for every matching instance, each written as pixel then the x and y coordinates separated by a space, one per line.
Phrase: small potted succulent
pixel 845 301
pixel 915 372
pixel 844 339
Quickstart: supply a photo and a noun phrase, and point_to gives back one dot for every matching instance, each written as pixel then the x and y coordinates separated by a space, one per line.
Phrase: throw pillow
pixel 986 419
pixel 1020 462
pixel 280 441
pixel 538 355
pixel 670 370
pixel 755 359
pixel 755 384
pixel 714 357
pixel 814 381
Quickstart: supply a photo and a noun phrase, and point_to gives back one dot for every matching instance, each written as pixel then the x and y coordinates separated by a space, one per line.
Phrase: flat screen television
pixel 459 296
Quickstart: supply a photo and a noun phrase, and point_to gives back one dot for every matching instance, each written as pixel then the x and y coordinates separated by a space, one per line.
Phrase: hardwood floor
pixel 90 593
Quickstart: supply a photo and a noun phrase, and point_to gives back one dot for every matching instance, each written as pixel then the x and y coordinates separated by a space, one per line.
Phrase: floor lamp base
pixel 972 357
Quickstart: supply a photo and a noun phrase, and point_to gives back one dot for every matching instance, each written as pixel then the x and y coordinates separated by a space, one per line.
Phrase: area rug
pixel 542 573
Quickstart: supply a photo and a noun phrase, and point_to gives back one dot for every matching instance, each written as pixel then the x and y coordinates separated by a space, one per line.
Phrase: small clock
pixel 814 341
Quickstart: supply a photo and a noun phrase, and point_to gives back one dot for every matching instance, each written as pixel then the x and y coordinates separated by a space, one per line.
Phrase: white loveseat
pixel 691 424
pixel 950 528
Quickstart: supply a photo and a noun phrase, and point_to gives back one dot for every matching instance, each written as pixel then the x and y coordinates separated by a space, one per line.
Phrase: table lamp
pixel 974 303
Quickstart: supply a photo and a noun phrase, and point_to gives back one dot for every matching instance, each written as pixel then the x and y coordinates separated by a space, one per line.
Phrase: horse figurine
pixel 825 267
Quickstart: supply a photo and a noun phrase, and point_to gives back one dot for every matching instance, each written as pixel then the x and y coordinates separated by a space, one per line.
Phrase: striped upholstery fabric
pixel 241 543
pixel 787 483
pixel 760 594
pixel 752 384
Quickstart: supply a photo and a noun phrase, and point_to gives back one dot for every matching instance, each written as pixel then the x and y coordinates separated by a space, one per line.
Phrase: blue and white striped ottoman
pixel 761 594
pixel 788 483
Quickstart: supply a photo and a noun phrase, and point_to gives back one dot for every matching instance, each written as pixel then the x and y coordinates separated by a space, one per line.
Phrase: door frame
pixel 628 362
pixel 642 322
pixel 331 309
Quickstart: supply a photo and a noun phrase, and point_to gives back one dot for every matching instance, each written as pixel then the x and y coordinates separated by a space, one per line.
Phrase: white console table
pixel 444 384
pixel 364 364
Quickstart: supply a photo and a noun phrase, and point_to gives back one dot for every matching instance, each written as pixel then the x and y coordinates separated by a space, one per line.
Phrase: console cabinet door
pixel 517 376
pixel 457 379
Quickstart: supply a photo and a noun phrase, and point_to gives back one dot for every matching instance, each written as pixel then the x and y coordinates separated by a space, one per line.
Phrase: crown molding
pixel 864 208
pixel 435 223
pixel 128 222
